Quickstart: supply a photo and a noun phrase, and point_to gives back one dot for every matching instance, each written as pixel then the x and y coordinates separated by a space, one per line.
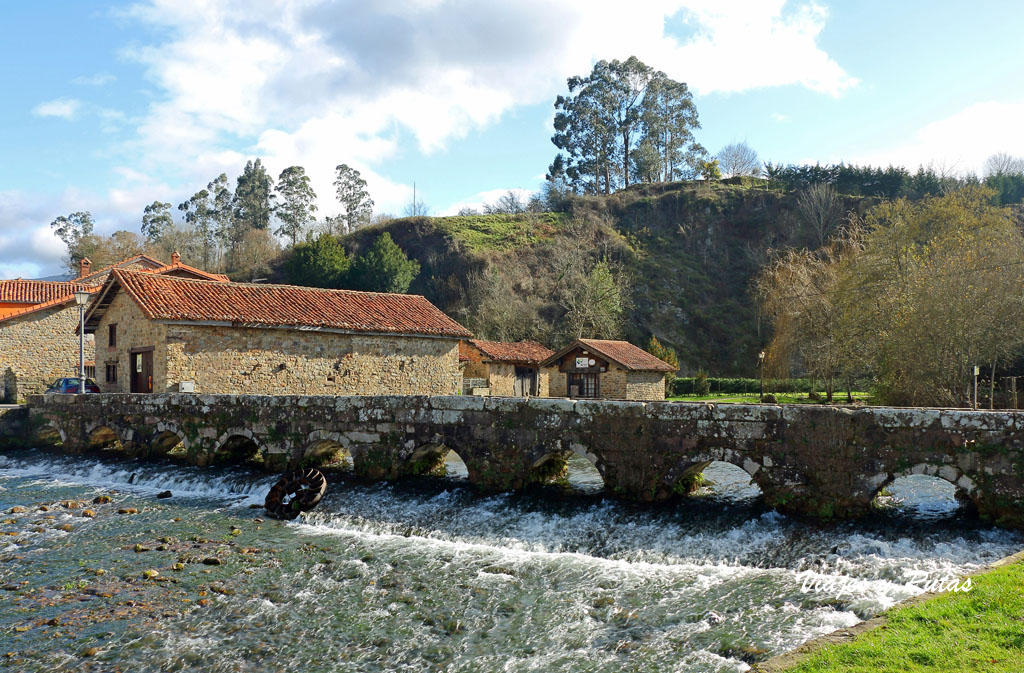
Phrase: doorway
pixel 142 371
pixel 525 383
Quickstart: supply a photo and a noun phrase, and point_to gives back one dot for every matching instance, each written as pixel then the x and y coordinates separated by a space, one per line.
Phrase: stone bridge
pixel 814 460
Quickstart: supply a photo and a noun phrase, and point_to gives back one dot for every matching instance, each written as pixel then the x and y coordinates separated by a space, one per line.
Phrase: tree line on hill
pixel 223 229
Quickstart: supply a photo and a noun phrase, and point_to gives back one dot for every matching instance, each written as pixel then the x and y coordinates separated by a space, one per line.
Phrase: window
pixel 583 385
pixel 90 371
pixel 112 336
pixel 111 371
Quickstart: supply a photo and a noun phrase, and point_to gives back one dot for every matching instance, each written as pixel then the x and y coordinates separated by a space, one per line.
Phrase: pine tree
pixel 383 268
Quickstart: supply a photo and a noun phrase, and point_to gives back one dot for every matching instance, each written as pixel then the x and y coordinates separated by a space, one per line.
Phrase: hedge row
pixel 715 386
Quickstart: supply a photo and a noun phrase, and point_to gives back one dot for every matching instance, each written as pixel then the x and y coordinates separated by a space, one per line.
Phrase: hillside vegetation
pixel 684 254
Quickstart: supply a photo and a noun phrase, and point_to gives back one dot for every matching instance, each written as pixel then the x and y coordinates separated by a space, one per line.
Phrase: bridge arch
pixel 324 447
pixel 50 434
pixel 167 439
pixel 685 477
pixel 964 490
pixel 101 435
pixel 573 463
pixel 238 445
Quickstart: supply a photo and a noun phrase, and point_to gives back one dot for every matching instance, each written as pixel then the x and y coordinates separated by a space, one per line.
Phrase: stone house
pixel 510 369
pixel 156 333
pixel 611 370
pixel 39 323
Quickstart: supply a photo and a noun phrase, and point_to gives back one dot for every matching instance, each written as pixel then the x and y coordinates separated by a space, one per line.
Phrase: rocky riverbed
pixel 98 573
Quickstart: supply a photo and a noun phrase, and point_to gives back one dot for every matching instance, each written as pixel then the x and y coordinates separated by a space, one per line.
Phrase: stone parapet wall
pixel 38 348
pixel 814 460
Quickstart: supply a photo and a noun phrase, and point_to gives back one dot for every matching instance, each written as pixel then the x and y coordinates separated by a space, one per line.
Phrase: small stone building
pixel 39 323
pixel 510 369
pixel 611 370
pixel 164 334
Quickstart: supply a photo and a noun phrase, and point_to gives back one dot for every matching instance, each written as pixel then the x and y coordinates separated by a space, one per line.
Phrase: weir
pixel 821 461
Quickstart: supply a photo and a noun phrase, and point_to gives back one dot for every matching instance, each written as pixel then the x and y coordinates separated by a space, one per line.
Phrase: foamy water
pixel 425 574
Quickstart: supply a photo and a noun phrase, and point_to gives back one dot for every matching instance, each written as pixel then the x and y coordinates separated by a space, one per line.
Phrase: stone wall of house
pixel 503 379
pixel 134 330
pixel 645 386
pixel 286 361
pixel 558 382
pixel 475 370
pixel 38 348
pixel 613 383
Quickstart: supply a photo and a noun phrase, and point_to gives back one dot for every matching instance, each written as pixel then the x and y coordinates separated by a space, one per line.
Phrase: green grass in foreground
pixel 783 398
pixel 978 630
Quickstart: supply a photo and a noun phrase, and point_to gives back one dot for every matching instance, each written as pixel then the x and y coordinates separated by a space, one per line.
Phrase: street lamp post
pixel 760 366
pixel 81 298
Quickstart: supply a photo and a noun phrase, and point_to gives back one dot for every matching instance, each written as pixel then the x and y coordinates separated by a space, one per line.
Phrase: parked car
pixel 69 386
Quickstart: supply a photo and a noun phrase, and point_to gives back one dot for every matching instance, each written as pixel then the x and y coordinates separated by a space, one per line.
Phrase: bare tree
pixel 739 159
pixel 821 208
pixel 1003 164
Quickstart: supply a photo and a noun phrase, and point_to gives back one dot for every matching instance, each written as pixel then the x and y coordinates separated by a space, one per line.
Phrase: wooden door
pixel 524 382
pixel 142 372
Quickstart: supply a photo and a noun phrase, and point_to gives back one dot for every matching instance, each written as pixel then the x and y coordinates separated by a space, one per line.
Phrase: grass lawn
pixel 978 630
pixel 783 398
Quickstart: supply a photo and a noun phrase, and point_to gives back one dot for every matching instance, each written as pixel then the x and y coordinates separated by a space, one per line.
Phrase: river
pixel 427 575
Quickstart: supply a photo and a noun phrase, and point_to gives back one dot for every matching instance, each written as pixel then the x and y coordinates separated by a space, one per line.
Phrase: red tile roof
pixel 36 291
pixel 622 352
pixel 153 262
pixel 58 301
pixel 164 297
pixel 523 352
pixel 170 269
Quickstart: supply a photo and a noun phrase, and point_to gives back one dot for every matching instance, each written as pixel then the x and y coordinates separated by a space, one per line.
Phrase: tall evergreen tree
pixel 199 214
pixel 356 204
pixel 156 220
pixel 319 263
pixel 618 107
pixel 222 209
pixel 254 198
pixel 383 268
pixel 298 202
pixel 74 229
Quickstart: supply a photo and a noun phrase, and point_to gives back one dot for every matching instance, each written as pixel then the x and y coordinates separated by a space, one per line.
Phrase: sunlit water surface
pixel 426 575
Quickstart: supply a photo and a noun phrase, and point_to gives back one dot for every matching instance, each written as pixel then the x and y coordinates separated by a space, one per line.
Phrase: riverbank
pixel 980 629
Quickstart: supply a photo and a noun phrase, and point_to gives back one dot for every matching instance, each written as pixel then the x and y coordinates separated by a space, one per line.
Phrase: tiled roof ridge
pixel 287 286
pixel 162 297
pixel 116 265
pixel 63 299
pixel 513 351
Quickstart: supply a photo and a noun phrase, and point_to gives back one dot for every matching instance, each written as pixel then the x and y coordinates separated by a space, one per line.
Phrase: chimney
pixel 85 267
pixel 175 258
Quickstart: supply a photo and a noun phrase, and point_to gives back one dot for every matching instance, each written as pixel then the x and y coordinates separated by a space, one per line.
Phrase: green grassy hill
pixel 690 249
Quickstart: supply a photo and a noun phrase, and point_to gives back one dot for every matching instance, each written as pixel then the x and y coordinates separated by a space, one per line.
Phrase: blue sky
pixel 109 106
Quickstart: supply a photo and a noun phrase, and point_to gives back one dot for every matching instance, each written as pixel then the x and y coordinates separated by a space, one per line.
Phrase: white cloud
pixel 318 83
pixel 97 79
pixel 59 107
pixel 960 142
pixel 779 117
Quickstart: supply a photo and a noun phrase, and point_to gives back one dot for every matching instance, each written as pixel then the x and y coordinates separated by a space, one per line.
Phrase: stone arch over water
pixel 103 436
pixel 939 482
pixel 237 445
pixel 323 445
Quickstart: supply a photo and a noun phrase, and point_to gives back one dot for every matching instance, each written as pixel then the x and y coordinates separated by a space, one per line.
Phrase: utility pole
pixel 976 370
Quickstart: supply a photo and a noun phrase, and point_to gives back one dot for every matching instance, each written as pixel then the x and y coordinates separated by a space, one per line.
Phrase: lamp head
pixel 82 297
